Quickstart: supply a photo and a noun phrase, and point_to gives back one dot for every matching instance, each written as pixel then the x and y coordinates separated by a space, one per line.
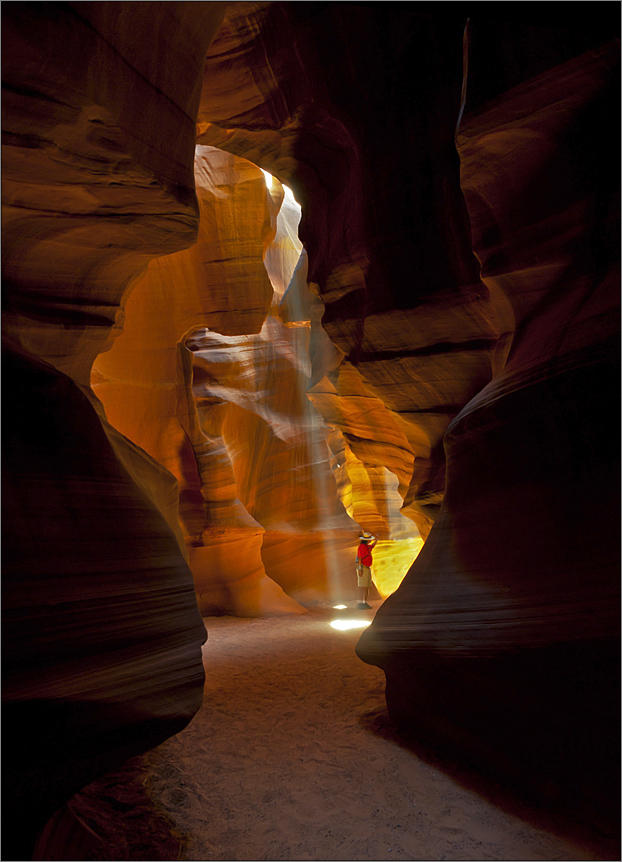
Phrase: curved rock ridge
pixel 102 638
pixel 252 407
pixel 262 432
pixel 457 302
pixel 509 618
pixel 421 334
pixel 464 244
pixel 145 380
pixel 89 196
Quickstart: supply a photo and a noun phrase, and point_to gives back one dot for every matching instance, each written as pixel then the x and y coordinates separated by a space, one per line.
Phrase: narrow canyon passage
pixel 282 762
pixel 275 275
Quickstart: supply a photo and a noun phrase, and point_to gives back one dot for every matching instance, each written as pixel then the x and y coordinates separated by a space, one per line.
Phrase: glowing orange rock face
pixel 252 407
pixel 386 324
pixel 227 414
pixel 145 379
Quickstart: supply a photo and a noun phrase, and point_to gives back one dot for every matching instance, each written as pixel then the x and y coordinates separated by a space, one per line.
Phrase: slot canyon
pixel 276 274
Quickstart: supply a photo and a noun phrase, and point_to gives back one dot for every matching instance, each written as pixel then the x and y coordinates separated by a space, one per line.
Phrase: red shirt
pixel 364 554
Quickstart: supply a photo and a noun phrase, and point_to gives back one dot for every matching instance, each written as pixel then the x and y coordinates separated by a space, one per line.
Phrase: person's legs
pixel 364 583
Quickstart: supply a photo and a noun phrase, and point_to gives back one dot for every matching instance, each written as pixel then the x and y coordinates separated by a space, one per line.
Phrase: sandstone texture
pixel 214 389
pixel 463 239
pixel 403 305
pixel 209 394
pixel 101 633
pixel 517 589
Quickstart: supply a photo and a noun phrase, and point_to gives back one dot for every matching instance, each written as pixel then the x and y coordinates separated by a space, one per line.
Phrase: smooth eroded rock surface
pixel 503 639
pixel 195 394
pixel 101 633
pixel 461 223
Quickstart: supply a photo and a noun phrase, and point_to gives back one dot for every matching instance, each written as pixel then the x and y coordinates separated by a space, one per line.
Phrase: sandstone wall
pixel 217 396
pixel 102 638
pixel 402 299
pixel 461 225
pixel 503 640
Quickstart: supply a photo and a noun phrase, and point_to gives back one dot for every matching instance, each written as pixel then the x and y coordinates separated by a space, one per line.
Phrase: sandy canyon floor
pixel 293 757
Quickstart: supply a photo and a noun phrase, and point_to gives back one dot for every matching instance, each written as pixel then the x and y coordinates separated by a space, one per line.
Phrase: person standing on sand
pixel 363 567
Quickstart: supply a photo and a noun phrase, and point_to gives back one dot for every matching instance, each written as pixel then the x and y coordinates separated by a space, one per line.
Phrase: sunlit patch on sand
pixel 339 607
pixel 344 625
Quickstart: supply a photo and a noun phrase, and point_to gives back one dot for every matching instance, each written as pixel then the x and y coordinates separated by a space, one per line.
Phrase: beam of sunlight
pixel 344 625
pixel 286 242
pixel 320 459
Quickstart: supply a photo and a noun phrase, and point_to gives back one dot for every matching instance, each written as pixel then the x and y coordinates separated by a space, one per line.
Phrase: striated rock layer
pixel 101 639
pixel 218 398
pixel 145 380
pixel 503 641
pixel 402 297
pixel 252 408
pixel 470 281
pixel 101 634
pixel 461 327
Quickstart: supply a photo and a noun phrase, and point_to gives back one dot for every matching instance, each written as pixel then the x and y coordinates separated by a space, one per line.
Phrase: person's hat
pixel 366 537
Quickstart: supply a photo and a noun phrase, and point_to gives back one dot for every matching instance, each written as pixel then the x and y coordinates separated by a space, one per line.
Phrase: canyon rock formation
pixel 502 643
pixel 101 633
pixel 206 401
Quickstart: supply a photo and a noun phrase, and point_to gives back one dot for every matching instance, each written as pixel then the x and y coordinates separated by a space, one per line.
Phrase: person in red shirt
pixel 363 567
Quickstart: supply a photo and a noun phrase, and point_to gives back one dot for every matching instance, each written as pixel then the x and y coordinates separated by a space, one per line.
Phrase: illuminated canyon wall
pixel 214 389
pixel 219 389
pixel 463 235
pixel 195 402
